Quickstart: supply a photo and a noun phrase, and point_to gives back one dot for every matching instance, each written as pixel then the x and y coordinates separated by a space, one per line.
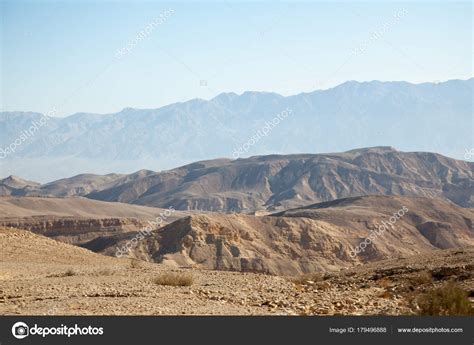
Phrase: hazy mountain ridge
pixel 423 117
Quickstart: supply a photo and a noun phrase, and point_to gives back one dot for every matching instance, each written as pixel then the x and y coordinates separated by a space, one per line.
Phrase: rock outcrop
pixel 320 237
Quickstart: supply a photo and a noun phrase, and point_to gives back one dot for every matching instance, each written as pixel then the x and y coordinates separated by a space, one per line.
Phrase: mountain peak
pixel 374 149
pixel 17 182
pixel 226 95
pixel 127 110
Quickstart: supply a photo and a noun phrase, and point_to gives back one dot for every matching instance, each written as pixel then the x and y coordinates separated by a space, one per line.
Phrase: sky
pixel 86 56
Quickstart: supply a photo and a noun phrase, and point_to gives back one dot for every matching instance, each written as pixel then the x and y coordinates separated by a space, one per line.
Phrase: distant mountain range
pixel 273 182
pixel 434 117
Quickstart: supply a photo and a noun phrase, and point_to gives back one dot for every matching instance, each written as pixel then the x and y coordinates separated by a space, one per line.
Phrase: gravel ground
pixel 40 276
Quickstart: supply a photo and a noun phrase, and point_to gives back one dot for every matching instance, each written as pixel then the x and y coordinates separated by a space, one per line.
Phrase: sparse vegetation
pixel 70 272
pixel 422 278
pixel 307 278
pixel 174 279
pixel 449 299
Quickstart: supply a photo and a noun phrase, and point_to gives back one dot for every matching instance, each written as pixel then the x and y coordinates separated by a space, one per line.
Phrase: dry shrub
pixel 449 299
pixel 422 278
pixel 70 272
pixel 174 279
pixel 307 278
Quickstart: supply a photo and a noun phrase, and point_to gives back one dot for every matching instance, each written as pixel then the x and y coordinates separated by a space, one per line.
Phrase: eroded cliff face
pixel 320 237
pixel 252 244
pixel 74 230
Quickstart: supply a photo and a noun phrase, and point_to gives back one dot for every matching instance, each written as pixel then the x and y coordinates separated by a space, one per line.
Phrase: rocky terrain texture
pixel 78 220
pixel 315 238
pixel 76 231
pixel 41 276
pixel 272 183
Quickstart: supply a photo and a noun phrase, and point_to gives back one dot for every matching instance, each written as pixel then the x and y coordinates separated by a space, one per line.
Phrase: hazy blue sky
pixel 63 54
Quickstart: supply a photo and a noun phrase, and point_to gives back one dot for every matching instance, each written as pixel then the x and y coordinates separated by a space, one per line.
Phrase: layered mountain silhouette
pixel 272 183
pixel 435 117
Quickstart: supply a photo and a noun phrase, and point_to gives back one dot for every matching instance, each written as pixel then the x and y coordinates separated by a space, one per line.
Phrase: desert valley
pixel 364 232
pixel 236 172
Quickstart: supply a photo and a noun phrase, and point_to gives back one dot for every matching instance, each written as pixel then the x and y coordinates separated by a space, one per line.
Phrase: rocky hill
pixel 321 237
pixel 277 182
